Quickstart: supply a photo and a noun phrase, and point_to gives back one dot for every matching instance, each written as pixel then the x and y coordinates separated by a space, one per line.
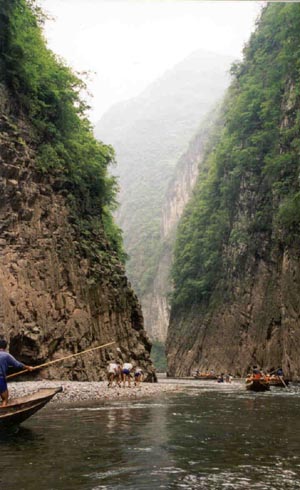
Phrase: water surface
pixel 209 437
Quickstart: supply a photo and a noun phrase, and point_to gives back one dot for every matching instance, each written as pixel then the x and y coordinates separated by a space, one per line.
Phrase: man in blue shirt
pixel 7 360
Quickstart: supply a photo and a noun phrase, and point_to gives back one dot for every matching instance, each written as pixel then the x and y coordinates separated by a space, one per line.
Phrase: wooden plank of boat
pixel 276 381
pixel 257 385
pixel 20 409
pixel 202 377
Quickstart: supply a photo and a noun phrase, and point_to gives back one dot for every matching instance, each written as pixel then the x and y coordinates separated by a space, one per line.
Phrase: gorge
pixel 157 167
pixel 220 179
pixel 236 268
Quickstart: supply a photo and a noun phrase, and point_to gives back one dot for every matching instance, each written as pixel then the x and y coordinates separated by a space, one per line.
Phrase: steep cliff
pixel 149 134
pixel 156 302
pixel 237 271
pixel 63 287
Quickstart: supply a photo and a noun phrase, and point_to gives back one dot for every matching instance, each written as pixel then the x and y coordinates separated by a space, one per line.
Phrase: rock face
pixel 53 300
pixel 237 263
pixel 260 325
pixel 155 304
pixel 149 134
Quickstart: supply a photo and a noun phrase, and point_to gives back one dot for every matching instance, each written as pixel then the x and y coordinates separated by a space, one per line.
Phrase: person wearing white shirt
pixel 126 369
pixel 111 372
pixel 138 376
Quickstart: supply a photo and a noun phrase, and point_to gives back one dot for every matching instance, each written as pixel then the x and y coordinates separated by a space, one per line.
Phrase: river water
pixel 211 436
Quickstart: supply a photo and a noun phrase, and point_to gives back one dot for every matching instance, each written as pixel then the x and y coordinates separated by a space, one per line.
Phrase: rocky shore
pixel 78 391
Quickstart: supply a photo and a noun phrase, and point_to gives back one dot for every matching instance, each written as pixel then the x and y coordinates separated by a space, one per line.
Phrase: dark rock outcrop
pixel 54 300
pixel 259 325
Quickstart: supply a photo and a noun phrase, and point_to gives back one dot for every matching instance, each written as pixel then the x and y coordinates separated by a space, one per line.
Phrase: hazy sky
pixel 130 43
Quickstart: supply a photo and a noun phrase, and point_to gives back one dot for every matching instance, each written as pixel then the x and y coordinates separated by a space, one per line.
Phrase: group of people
pixel 258 373
pixel 224 378
pixel 118 374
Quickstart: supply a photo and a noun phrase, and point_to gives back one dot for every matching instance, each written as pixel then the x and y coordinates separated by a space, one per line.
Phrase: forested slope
pixel 237 271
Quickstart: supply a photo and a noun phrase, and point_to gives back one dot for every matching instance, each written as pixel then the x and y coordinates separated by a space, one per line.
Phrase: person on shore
pixel 126 370
pixel 118 376
pixel 138 376
pixel 111 372
pixel 6 361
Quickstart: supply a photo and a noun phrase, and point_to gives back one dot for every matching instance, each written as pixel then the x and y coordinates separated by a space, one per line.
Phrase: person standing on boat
pixel 256 373
pixel 6 361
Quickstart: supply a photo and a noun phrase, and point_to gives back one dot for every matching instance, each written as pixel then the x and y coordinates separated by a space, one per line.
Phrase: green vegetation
pixel 247 199
pixel 158 356
pixel 48 93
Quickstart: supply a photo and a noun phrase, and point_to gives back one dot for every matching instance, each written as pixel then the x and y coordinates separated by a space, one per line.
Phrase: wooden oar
pixel 61 359
pixel 283 382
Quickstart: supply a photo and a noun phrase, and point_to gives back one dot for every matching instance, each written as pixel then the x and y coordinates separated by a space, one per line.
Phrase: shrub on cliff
pixel 248 194
pixel 49 94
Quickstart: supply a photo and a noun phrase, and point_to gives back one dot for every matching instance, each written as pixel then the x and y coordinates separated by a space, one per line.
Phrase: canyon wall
pixel 155 303
pixel 54 301
pixel 237 255
pixel 63 286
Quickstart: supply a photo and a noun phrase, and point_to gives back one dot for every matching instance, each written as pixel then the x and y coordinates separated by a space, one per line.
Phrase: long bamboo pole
pixel 61 359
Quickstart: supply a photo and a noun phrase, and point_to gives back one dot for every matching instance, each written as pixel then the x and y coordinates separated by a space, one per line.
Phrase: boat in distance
pixel 198 375
pixel 20 409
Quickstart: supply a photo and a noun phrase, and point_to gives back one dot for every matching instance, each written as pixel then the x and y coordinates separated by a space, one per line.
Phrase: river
pixel 210 436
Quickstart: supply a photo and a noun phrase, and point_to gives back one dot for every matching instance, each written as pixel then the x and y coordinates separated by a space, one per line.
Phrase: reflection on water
pixel 210 437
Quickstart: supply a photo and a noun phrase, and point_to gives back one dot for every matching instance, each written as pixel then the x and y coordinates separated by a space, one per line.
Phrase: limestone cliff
pixel 63 286
pixel 53 300
pixel 237 257
pixel 155 302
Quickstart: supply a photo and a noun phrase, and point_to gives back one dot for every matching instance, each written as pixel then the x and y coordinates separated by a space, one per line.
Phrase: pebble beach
pixel 78 391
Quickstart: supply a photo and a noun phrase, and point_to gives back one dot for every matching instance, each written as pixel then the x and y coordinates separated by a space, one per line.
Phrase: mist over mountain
pixel 149 134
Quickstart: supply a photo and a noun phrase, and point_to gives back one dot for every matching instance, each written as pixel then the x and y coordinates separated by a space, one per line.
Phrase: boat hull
pixel 24 407
pixel 257 385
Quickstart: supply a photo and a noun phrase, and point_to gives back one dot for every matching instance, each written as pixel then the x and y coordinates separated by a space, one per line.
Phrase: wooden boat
pixel 19 409
pixel 257 384
pixel 278 381
pixel 205 376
